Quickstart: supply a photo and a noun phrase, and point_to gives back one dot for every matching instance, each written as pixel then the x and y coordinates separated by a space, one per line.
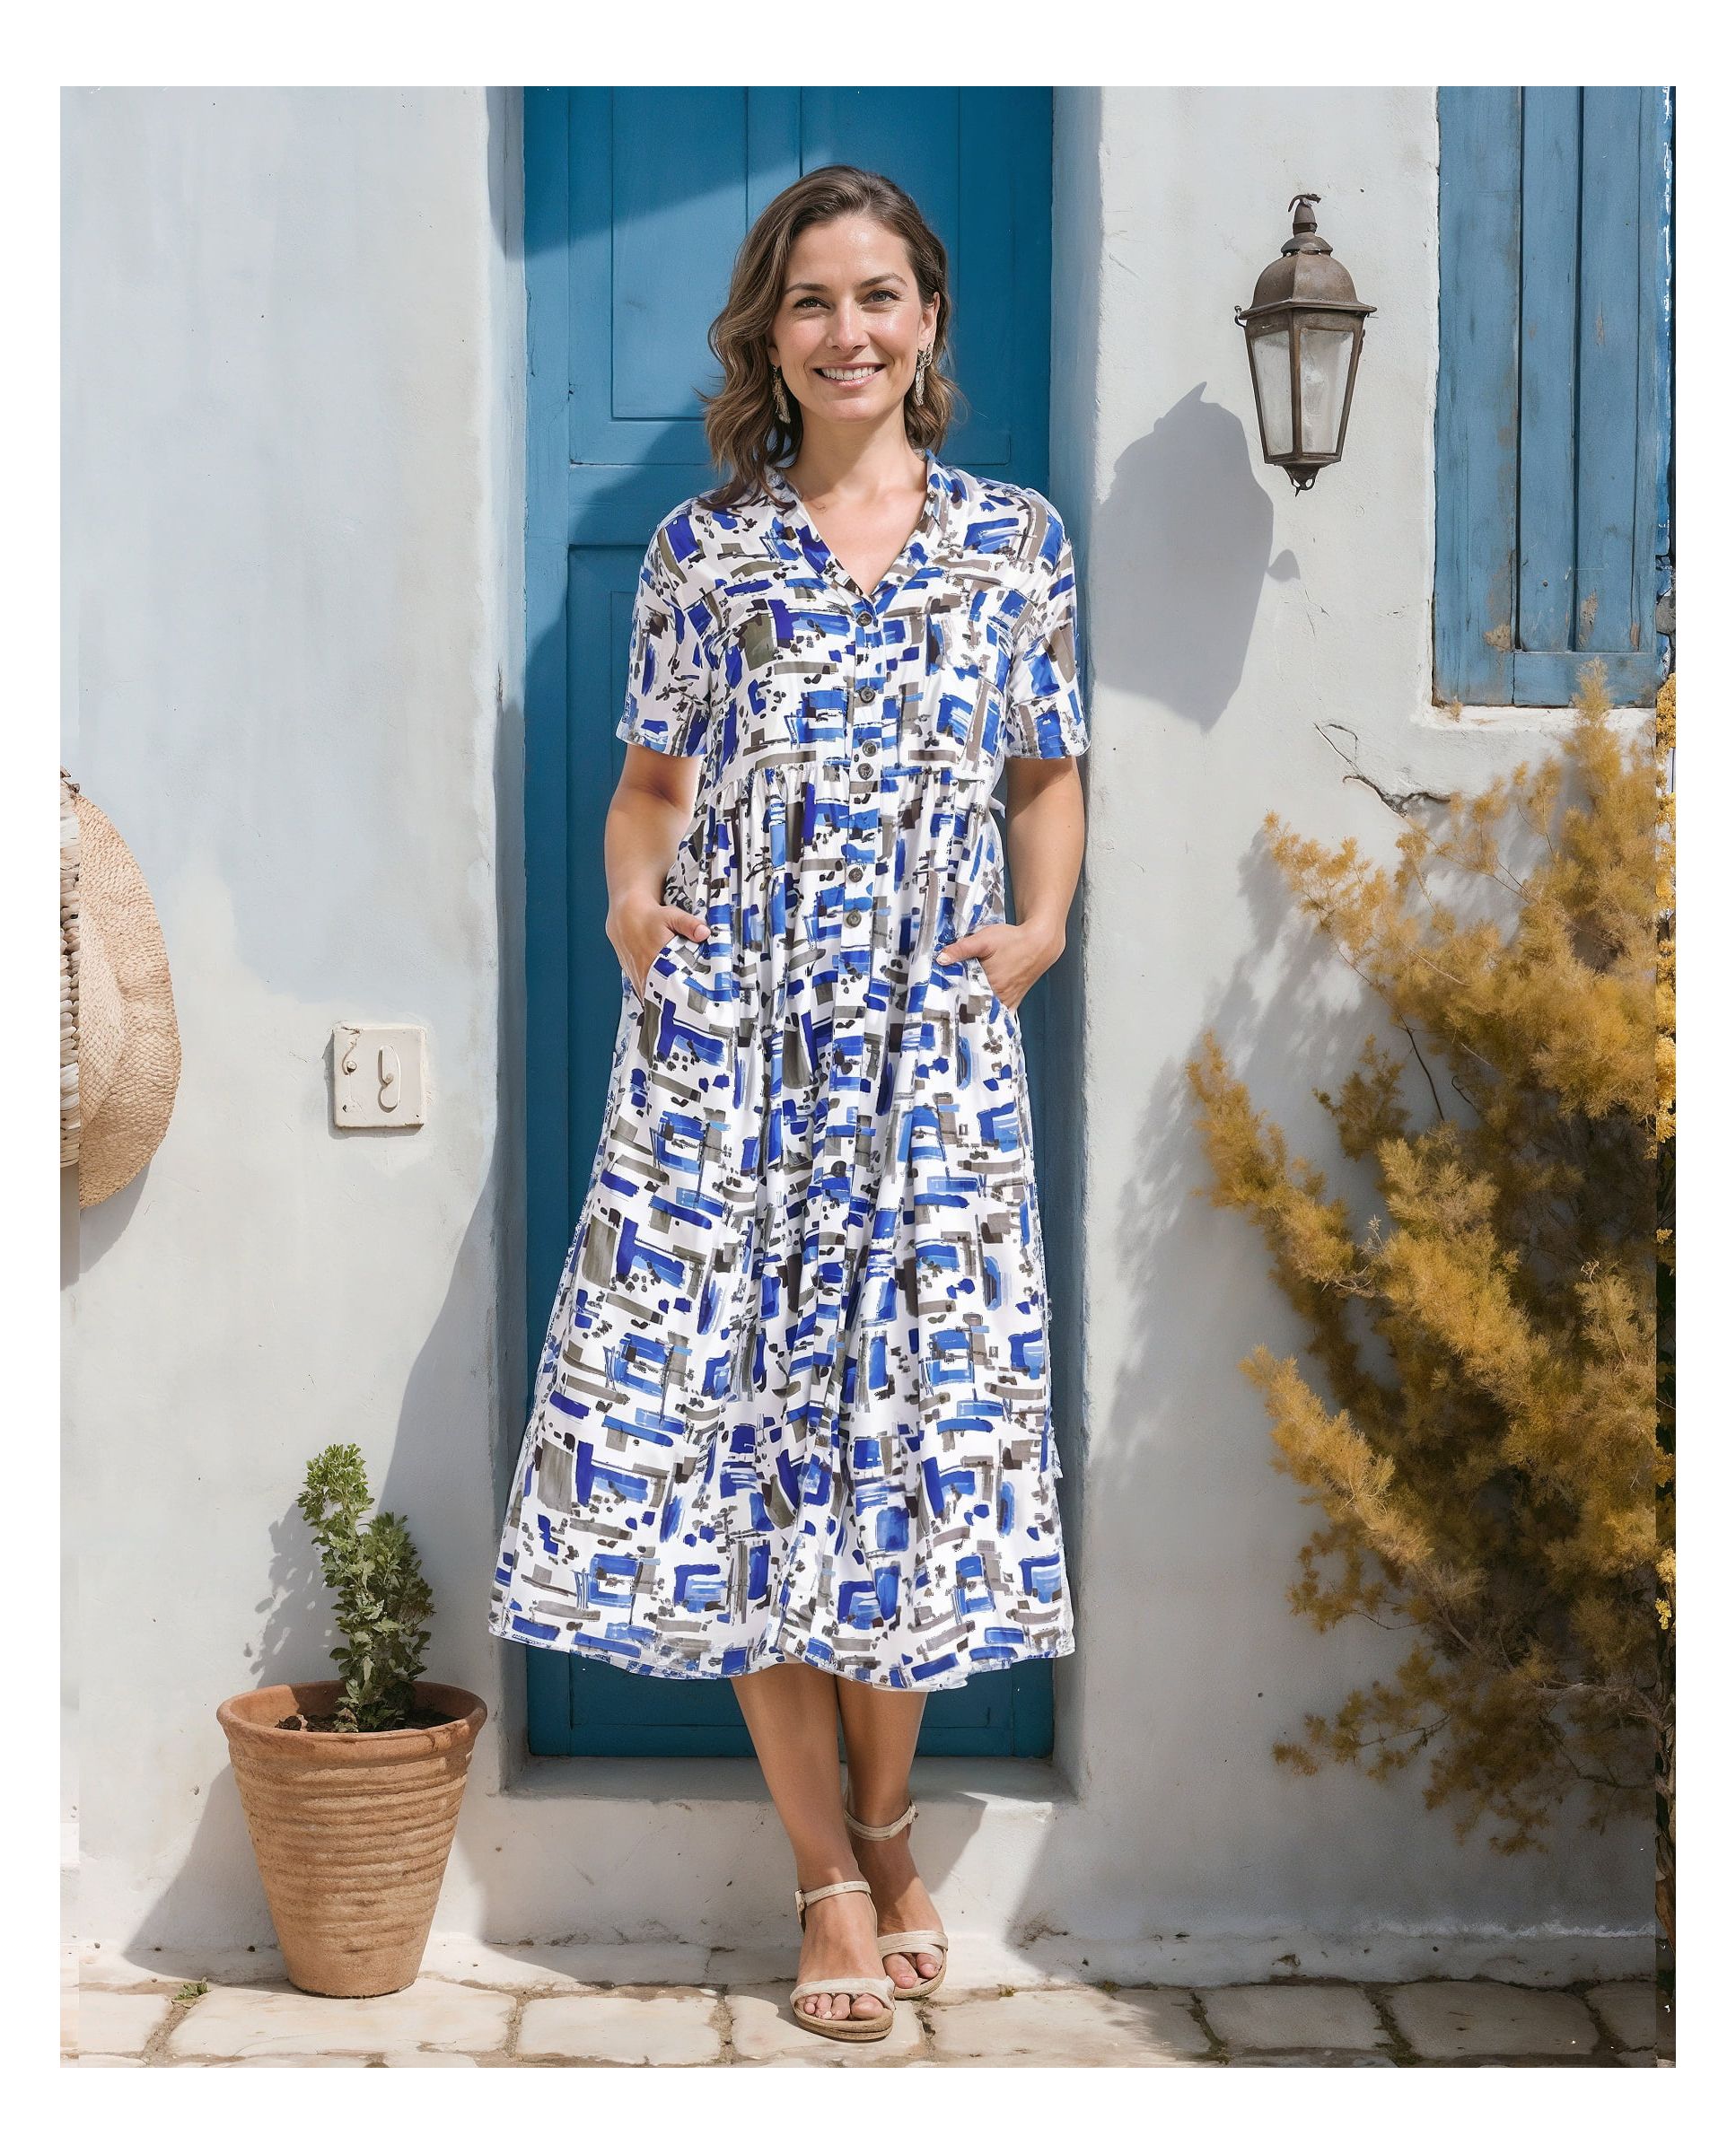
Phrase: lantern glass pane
pixel 1271 350
pixel 1326 346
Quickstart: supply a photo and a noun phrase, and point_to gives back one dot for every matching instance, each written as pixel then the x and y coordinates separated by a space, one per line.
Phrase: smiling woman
pixel 854 339
pixel 792 1426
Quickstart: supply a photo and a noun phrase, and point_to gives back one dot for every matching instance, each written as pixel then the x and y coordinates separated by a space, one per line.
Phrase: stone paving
pixel 681 2006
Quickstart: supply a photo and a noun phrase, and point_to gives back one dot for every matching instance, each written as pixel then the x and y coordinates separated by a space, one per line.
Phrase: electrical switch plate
pixel 379 1076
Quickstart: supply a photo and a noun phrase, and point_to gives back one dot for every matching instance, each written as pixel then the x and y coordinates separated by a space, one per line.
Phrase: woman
pixel 792 1420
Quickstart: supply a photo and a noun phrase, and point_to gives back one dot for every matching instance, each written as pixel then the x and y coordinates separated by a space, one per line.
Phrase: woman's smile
pixel 846 377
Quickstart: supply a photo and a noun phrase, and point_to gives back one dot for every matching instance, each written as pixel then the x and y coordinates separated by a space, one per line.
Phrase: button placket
pixel 865 691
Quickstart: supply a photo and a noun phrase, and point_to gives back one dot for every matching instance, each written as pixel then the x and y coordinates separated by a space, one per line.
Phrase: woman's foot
pixel 902 1901
pixel 839 1939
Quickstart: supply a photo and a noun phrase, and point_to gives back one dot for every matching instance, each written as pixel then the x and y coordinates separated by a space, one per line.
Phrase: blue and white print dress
pixel 793 1402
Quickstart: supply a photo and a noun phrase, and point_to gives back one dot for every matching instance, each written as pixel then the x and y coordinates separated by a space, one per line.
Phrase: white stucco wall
pixel 292 407
pixel 1227 621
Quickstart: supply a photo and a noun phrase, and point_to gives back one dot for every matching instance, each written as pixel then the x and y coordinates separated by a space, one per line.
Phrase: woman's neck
pixel 851 464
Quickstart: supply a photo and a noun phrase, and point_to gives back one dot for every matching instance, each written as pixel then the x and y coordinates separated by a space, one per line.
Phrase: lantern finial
pixel 1304 231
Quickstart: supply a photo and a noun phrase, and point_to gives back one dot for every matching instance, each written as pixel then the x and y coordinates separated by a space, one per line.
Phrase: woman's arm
pixel 648 817
pixel 1046 848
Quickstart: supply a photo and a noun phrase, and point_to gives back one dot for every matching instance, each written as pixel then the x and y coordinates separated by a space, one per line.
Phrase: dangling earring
pixel 779 401
pixel 921 376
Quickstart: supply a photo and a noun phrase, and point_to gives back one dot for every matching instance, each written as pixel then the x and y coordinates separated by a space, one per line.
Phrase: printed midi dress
pixel 793 1402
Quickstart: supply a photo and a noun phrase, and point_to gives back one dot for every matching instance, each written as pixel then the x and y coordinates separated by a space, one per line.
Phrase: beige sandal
pixel 839 1985
pixel 904 1941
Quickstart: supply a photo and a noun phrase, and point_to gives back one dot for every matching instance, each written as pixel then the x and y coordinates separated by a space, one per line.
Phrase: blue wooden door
pixel 635 201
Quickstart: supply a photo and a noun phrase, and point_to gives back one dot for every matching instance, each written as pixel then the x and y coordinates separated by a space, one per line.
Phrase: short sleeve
pixel 1045 712
pixel 668 667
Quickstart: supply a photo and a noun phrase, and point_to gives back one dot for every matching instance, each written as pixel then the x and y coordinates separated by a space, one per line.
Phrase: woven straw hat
pixel 119 1050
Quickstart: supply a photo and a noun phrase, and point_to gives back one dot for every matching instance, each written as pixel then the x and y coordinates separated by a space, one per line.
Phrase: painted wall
pixel 290 385
pixel 293 354
pixel 1228 624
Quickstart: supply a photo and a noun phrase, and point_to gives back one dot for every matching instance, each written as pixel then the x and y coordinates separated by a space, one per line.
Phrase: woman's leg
pixel 880 1740
pixel 792 1715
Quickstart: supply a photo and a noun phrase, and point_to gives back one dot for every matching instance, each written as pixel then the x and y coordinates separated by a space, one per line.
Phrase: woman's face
pixel 850 321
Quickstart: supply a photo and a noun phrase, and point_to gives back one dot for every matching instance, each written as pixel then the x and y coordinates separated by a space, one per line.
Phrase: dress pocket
pixel 664 967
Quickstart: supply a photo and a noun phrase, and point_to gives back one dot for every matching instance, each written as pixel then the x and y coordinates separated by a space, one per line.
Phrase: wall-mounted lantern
pixel 1304 337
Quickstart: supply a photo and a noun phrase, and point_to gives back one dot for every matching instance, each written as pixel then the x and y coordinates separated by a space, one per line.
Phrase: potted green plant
pixel 351 1787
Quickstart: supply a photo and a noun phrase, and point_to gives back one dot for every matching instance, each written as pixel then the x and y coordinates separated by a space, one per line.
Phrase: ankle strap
pixel 881 1831
pixel 823 1892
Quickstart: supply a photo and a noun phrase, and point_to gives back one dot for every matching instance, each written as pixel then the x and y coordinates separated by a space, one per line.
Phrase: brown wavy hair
pixel 746 437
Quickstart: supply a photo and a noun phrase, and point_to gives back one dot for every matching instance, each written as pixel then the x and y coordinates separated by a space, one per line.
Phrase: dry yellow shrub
pixel 1481 1428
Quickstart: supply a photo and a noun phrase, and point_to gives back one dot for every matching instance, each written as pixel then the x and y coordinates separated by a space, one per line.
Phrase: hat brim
pixel 114 907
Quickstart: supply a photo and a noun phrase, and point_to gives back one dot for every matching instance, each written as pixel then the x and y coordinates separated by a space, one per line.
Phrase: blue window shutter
pixel 1553 413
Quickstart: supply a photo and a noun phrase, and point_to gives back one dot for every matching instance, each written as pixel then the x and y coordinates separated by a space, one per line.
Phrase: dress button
pixel 866 615
pixel 866 692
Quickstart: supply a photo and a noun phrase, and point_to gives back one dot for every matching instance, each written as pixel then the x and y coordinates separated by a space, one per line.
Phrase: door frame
pixel 551 272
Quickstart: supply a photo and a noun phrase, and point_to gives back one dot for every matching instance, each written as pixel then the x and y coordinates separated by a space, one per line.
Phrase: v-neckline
pixel 929 520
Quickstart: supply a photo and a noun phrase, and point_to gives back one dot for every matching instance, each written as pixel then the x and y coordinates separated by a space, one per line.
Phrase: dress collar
pixel 933 527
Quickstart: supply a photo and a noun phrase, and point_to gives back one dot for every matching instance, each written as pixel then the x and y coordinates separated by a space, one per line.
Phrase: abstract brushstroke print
pixel 793 1400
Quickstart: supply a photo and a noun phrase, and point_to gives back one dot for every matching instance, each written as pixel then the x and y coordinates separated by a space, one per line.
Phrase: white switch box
pixel 379 1076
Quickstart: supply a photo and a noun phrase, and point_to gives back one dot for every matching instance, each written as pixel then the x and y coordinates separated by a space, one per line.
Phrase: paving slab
pixel 280 2064
pixel 1283 2015
pixel 1314 2059
pixel 604 2028
pixel 127 1966
pixel 763 2030
pixel 99 2060
pixel 1647 2057
pixel 574 1967
pixel 972 1962
pixel 119 2023
pixel 1575 2063
pixel 1074 2026
pixel 1047 2061
pixel 273 2019
pixel 428 2056
pixel 1491 2020
pixel 1629 2009
pixel 990 1963
pixel 753 1966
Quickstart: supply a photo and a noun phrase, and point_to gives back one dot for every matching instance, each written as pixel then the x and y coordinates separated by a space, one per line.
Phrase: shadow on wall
pixel 1192 1525
pixel 1186 507
pixel 440 1478
pixel 1187 1519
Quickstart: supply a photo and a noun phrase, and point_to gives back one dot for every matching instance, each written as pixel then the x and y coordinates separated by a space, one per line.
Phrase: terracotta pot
pixel 351 1831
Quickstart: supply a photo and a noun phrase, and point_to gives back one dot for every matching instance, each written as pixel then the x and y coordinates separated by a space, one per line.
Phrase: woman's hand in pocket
pixel 639 928
pixel 1014 955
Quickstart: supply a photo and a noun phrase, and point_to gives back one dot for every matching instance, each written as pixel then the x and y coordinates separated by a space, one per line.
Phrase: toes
pixel 867 2007
pixel 927 1965
pixel 903 1976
